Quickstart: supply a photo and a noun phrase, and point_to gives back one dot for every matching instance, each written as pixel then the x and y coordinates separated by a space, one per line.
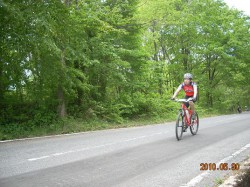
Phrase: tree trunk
pixel 1 83
pixel 61 109
pixel 155 54
pixel 185 53
pixel 155 44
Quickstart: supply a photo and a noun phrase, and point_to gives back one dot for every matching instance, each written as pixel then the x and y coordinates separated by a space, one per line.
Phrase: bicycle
pixel 183 121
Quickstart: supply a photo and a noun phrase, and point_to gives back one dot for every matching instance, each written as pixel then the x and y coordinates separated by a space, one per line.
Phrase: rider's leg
pixel 191 103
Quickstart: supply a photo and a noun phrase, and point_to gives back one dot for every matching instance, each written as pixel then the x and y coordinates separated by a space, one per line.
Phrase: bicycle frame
pixel 183 121
pixel 184 108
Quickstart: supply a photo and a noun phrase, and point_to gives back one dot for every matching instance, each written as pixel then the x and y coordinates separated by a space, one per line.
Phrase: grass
pixel 218 181
pixel 72 125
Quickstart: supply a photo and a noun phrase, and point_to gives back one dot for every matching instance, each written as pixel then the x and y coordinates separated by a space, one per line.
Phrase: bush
pixel 243 180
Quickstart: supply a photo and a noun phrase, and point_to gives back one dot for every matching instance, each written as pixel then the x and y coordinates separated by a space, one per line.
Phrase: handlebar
pixel 183 100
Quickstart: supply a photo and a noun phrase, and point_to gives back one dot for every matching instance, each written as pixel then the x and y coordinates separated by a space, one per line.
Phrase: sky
pixel 243 5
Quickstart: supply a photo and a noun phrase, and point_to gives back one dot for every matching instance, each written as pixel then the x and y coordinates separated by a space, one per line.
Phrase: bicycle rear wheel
pixel 179 126
pixel 194 125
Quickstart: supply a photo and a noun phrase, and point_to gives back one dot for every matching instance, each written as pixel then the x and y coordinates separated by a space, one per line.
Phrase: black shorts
pixel 187 104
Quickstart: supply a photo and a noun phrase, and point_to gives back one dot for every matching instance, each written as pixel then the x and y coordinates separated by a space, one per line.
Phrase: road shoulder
pixel 236 177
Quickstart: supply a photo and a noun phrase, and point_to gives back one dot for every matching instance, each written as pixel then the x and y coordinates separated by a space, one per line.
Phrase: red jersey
pixel 189 89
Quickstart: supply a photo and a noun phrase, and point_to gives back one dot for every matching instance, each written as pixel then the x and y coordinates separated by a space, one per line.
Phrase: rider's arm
pixel 177 91
pixel 195 91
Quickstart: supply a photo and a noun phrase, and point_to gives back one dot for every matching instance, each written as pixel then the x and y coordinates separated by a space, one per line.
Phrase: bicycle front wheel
pixel 179 126
pixel 194 125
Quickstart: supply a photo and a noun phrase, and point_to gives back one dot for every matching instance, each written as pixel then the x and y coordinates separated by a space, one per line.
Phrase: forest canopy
pixel 118 59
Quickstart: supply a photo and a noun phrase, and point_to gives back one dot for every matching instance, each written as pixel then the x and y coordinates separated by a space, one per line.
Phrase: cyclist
pixel 239 109
pixel 190 89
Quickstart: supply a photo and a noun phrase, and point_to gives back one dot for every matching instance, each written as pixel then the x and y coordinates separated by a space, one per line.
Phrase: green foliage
pixel 117 60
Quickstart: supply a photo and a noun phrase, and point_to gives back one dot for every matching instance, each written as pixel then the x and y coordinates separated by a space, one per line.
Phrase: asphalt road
pixel 147 156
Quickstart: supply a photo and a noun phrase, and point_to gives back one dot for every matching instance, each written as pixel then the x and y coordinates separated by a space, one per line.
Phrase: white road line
pixel 193 182
pixel 94 147
pixel 39 158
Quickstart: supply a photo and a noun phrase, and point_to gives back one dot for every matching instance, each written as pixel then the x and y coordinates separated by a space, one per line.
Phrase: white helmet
pixel 188 76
